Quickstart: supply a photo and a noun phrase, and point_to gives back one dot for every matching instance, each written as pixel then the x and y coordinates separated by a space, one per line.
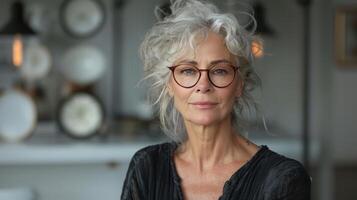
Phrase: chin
pixel 203 120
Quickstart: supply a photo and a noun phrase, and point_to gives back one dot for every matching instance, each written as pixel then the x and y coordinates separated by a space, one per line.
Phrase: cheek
pixel 228 103
pixel 229 97
pixel 181 96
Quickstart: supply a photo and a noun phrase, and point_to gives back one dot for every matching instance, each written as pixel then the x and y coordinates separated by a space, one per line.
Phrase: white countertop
pixel 98 152
pixel 45 148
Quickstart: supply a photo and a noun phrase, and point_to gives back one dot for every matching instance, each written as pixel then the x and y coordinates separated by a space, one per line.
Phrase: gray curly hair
pixel 169 36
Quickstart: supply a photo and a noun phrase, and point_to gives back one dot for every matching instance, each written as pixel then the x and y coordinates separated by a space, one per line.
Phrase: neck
pixel 209 146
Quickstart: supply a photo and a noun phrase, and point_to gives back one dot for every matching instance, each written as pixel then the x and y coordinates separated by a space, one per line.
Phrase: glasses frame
pixel 172 68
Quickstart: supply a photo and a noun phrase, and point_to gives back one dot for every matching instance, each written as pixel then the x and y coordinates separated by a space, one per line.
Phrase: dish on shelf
pixel 84 64
pixel 18 116
pixel 37 62
pixel 82 18
pixel 81 115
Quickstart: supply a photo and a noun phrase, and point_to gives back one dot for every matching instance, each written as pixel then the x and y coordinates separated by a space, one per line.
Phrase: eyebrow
pixel 211 63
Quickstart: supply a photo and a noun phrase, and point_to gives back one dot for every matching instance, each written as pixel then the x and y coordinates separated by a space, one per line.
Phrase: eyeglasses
pixel 221 75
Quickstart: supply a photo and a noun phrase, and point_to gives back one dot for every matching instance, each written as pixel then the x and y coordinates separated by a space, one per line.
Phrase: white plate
pixel 81 18
pixel 84 64
pixel 37 61
pixel 18 116
pixel 81 115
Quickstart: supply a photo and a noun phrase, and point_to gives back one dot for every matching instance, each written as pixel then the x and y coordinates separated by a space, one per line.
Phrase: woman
pixel 198 62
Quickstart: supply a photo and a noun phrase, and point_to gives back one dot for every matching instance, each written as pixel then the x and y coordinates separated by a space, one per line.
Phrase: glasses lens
pixel 186 75
pixel 222 74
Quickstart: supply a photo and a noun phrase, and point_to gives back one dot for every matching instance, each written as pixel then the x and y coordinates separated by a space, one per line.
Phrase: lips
pixel 204 104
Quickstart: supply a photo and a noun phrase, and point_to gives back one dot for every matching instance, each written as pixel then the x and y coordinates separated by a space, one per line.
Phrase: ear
pixel 240 88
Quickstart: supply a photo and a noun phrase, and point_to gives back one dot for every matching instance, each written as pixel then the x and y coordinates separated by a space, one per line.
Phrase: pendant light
pixel 260 16
pixel 17 29
pixel 262 28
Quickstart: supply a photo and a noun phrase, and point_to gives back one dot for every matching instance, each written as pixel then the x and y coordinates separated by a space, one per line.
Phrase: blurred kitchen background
pixel 72 112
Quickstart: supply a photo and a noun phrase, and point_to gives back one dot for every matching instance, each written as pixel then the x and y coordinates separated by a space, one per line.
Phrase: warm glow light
pixel 257 49
pixel 17 51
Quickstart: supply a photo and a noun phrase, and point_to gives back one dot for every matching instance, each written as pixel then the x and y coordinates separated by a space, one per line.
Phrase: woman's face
pixel 205 104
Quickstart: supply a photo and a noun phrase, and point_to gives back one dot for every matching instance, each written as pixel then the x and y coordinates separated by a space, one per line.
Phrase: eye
pixel 220 71
pixel 187 71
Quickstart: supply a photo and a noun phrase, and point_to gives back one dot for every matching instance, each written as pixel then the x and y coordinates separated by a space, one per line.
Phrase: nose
pixel 204 85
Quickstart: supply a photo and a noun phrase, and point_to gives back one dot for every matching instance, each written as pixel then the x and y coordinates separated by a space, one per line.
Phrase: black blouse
pixel 266 176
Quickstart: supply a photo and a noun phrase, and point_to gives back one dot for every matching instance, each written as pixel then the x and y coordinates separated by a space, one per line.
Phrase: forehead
pixel 205 47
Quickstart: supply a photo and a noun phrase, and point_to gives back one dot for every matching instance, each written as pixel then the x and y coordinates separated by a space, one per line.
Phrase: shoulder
pixel 285 178
pixel 152 153
pixel 284 166
pixel 143 168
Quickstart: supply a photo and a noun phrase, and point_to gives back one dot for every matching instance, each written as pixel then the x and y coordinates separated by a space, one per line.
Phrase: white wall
pixel 334 100
pixel 135 17
pixel 344 106
pixel 344 116
pixel 281 68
